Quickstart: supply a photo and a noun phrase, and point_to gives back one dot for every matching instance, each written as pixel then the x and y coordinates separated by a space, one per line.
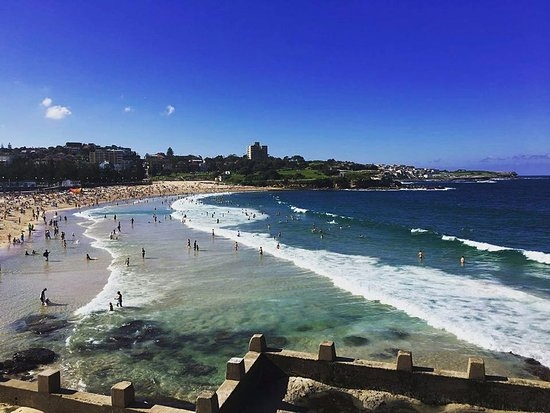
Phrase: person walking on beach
pixel 143 253
pixel 118 299
pixel 46 255
pixel 43 298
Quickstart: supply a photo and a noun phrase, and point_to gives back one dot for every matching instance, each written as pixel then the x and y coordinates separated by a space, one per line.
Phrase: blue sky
pixel 444 84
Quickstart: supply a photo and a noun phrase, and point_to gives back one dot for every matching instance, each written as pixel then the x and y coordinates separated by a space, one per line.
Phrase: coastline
pixel 19 211
pixel 16 210
pixel 162 189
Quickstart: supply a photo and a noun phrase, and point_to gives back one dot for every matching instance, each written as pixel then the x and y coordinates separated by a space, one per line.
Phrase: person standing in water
pixel 143 253
pixel 43 298
pixel 118 299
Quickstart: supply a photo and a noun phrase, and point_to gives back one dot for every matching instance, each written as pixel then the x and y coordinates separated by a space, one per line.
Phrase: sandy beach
pixel 18 210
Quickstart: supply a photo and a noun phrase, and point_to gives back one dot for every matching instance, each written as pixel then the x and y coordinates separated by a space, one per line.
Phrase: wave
pixel 444 188
pixel 418 230
pixel 537 256
pixel 298 210
pixel 480 311
pixel 483 246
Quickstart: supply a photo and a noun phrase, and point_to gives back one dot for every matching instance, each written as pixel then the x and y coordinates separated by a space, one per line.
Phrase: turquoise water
pixel 336 265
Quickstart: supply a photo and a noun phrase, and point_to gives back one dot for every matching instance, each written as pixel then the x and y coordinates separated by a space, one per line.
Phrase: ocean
pixel 336 265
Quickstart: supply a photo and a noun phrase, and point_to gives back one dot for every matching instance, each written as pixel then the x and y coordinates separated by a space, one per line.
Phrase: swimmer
pixel 261 251
pixel 420 255
pixel 462 261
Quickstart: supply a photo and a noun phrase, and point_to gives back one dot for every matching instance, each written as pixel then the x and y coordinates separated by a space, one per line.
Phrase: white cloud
pixel 170 110
pixel 57 112
pixel 128 109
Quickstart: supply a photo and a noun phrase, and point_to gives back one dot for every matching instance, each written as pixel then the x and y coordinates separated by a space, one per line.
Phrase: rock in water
pixel 36 355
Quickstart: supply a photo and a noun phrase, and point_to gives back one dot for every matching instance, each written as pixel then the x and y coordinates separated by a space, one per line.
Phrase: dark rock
pixel 26 360
pixel 355 341
pixel 128 336
pixel 534 367
pixel 397 334
pixel 198 369
pixel 537 369
pixel 278 341
pixel 388 353
pixel 40 324
pixel 37 355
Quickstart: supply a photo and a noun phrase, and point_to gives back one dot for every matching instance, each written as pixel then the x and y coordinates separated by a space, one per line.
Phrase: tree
pixel 170 152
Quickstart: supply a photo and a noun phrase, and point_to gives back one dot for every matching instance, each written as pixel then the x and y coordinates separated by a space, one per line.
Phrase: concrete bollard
pixel 122 394
pixel 257 343
pixel 327 351
pixel 476 368
pixel 207 402
pixel 404 361
pixel 235 369
pixel 49 381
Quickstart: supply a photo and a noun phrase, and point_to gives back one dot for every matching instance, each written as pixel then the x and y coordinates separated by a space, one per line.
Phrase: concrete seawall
pixel 262 367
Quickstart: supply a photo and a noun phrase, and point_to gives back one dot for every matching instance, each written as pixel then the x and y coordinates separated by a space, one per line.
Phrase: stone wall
pixel 247 379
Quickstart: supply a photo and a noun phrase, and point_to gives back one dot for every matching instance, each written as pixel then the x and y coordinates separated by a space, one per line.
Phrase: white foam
pixel 537 256
pixel 480 311
pixel 418 230
pixel 542 257
pixel 483 246
pixel 298 210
